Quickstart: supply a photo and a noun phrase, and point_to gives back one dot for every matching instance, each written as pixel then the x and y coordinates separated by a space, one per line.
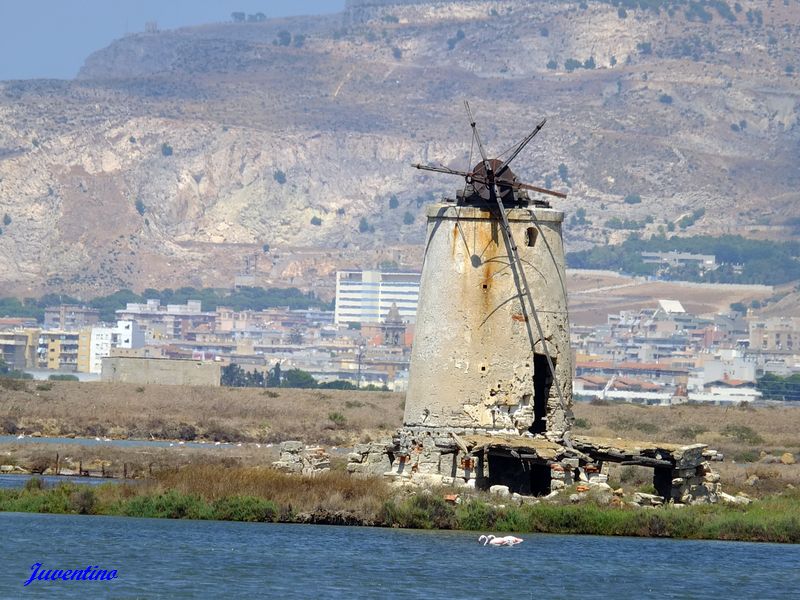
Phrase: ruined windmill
pixel 489 401
pixel 491 346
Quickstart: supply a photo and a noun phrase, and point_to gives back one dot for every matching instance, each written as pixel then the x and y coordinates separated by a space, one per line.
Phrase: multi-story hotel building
pixel 367 296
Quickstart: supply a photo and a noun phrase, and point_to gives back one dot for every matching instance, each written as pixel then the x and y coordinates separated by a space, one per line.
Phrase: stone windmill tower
pixel 490 395
pixel 491 349
pixel 490 388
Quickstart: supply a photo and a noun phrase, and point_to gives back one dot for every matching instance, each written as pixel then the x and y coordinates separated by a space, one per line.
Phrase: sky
pixel 51 38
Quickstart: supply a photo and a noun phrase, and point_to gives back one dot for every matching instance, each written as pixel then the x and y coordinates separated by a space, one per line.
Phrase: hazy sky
pixel 51 38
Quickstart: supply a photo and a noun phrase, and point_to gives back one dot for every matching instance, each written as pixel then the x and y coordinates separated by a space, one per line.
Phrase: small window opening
pixel 530 236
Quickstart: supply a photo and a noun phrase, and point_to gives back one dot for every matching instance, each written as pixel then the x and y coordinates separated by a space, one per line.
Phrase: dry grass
pixel 741 434
pixel 225 414
pixel 118 410
pixel 727 429
pixel 136 462
pixel 334 491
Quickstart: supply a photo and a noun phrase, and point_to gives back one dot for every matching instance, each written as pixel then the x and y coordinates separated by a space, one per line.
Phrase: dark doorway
pixel 540 480
pixel 662 481
pixel 521 476
pixel 542 380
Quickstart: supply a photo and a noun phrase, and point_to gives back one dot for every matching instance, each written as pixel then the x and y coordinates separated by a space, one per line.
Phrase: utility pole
pixel 360 356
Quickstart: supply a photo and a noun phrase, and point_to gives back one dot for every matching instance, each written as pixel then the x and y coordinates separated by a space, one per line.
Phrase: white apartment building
pixel 367 296
pixel 126 334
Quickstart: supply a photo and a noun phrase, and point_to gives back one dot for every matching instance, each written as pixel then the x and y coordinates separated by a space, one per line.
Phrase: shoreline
pixel 333 499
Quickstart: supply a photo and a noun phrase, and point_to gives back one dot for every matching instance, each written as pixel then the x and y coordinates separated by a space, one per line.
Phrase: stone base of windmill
pixel 527 465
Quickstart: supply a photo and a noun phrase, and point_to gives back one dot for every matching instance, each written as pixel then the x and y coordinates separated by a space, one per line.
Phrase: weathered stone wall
pixel 296 458
pixel 160 371
pixel 472 362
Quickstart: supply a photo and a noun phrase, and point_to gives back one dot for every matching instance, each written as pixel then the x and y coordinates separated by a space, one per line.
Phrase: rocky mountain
pixel 281 149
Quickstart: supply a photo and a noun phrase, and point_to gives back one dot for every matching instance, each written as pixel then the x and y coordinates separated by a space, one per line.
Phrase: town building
pixel 96 343
pixel 703 262
pixel 66 317
pixel 775 334
pixel 18 348
pixel 58 350
pixel 367 296
pixel 124 369
pixel 172 321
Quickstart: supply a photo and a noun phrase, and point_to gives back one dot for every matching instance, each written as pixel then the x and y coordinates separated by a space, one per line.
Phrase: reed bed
pixel 248 494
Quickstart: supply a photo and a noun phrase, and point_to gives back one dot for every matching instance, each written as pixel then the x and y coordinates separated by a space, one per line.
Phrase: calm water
pixel 208 559
pixel 18 481
pixel 13 439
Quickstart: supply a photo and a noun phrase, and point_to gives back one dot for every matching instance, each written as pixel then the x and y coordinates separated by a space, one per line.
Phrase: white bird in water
pixel 216 443
pixel 20 436
pixel 492 540
pixel 181 443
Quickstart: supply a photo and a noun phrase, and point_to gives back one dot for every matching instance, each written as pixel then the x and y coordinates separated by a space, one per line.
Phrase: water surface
pixel 158 558
pixel 18 481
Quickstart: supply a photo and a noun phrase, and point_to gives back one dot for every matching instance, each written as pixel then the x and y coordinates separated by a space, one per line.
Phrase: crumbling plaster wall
pixel 472 361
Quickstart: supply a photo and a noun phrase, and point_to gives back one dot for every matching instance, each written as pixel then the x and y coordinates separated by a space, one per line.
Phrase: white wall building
pixel 367 296
pixel 126 334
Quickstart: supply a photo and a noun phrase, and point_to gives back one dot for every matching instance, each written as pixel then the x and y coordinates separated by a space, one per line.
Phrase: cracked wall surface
pixel 472 363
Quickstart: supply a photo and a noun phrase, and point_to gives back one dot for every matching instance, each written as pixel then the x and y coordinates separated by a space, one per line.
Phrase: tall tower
pixel 490 386
pixel 491 349
pixel 479 360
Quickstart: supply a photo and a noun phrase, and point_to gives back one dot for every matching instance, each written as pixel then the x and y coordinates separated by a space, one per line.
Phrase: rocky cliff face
pixel 175 155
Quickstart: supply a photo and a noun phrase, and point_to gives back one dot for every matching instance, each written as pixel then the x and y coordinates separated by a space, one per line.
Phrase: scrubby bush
pixel 8 426
pixel 63 377
pixel 742 434
pixel 245 508
pixel 82 501
pixel 337 419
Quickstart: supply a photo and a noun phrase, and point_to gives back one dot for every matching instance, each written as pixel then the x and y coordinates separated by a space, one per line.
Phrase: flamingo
pixel 512 540
pixel 492 540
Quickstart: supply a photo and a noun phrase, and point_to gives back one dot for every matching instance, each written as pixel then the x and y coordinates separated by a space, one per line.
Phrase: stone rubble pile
pixel 295 457
pixel 695 485
pixel 428 457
